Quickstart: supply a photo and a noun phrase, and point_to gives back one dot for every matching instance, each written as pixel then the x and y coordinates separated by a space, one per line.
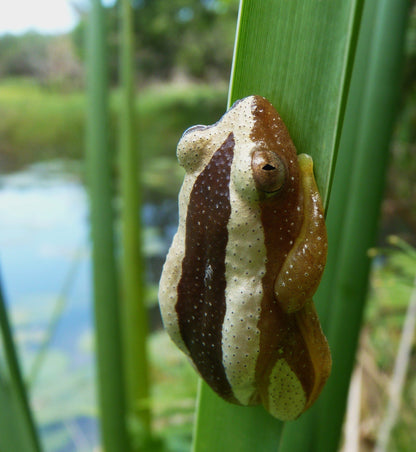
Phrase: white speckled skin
pixel 286 398
pixel 194 152
pixel 278 386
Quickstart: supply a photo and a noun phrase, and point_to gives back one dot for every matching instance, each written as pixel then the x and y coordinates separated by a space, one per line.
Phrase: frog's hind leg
pixel 318 349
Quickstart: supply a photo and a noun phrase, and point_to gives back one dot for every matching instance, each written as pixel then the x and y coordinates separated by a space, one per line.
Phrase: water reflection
pixel 45 260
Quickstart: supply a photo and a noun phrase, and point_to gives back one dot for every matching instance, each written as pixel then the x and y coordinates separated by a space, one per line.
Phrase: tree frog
pixel 237 285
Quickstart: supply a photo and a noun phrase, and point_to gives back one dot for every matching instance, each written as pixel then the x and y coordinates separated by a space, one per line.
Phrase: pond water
pixel 46 277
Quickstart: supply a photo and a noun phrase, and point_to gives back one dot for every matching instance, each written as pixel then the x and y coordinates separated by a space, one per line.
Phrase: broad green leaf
pixel 360 173
pixel 353 214
pixel 229 427
pixel 298 54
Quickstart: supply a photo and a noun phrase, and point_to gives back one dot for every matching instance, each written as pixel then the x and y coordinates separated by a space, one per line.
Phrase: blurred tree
pixel 23 55
pixel 189 38
pixel 61 68
pixel 194 38
pixel 49 59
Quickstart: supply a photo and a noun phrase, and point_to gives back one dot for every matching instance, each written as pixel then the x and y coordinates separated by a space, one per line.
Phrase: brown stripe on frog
pixel 201 289
pixel 281 216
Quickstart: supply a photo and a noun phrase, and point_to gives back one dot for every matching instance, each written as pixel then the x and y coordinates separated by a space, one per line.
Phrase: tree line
pixel 173 38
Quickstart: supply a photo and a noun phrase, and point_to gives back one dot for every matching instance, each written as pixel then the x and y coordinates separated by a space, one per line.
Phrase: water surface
pixel 46 274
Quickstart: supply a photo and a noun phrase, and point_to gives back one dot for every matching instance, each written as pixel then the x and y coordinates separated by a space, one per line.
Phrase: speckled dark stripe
pixel 280 336
pixel 201 290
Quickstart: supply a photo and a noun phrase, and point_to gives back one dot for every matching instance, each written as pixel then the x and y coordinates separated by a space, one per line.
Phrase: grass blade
pixel 17 427
pixel 106 310
pixel 367 131
pixel 134 317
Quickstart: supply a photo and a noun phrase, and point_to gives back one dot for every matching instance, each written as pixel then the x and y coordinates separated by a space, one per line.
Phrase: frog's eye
pixel 269 171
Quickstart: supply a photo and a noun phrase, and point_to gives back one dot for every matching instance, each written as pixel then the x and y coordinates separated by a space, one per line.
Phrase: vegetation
pixel 51 60
pixel 18 420
pixel 108 332
pixel 134 314
pixel 273 65
pixel 40 124
pixel 199 44
pixel 182 67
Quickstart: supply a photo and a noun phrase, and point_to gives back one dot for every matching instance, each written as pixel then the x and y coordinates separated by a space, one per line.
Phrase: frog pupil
pixel 269 167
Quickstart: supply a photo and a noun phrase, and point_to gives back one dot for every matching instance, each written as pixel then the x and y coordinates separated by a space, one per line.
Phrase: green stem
pixel 134 318
pixel 108 344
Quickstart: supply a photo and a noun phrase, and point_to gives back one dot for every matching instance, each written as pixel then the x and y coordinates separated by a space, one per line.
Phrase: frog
pixel 236 288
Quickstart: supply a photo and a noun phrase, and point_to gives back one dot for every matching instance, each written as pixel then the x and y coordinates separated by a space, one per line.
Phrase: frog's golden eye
pixel 269 171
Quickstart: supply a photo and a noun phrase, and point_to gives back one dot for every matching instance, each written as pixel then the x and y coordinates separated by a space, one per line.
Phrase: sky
pixel 43 16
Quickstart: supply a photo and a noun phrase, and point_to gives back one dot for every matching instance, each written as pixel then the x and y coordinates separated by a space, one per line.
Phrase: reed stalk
pixel 134 315
pixel 111 394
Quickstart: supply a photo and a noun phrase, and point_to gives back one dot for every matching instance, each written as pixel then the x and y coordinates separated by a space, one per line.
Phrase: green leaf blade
pixel 358 191
pixel 18 430
pixel 111 393
pixel 298 55
pixel 219 421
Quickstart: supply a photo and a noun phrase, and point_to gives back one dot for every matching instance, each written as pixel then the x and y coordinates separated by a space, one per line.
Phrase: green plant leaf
pixel 353 214
pixel 106 310
pixel 357 195
pixel 298 54
pixel 230 427
pixel 134 315
pixel 17 426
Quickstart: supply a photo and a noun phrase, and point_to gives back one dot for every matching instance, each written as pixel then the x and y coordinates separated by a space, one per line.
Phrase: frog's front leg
pixel 302 270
